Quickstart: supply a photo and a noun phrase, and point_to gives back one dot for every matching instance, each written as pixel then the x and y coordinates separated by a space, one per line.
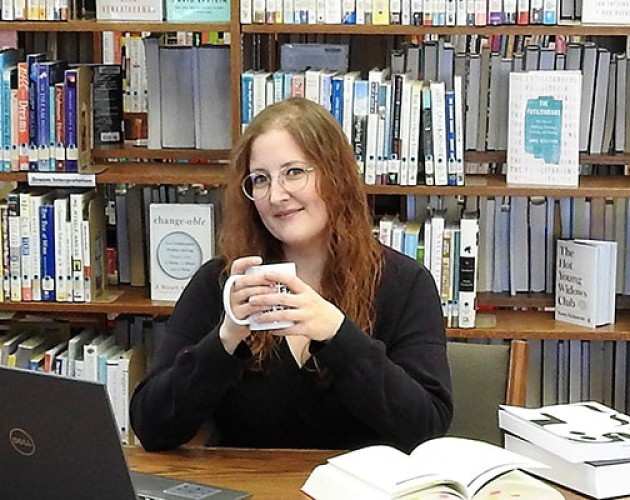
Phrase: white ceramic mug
pixel 285 267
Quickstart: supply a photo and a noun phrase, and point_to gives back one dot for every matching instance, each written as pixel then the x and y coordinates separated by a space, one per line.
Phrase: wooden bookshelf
pixel 93 26
pixel 540 325
pixel 119 300
pixel 355 29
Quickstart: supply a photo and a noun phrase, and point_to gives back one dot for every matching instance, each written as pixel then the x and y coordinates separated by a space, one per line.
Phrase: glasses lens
pixel 294 177
pixel 256 185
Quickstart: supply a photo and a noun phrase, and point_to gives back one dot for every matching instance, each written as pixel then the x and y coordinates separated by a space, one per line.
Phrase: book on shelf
pixel 586 431
pixel 217 11
pixel 605 12
pixel 180 241
pixel 129 10
pixel 585 282
pixel 544 116
pixel 439 468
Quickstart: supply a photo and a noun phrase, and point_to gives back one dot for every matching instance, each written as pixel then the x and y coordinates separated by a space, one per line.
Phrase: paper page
pixel 388 469
pixel 472 463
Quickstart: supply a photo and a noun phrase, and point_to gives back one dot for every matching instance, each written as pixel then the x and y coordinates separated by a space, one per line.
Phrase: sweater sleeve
pixel 191 370
pixel 397 382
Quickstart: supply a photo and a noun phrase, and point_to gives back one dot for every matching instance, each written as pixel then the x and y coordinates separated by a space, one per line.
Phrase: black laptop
pixel 58 440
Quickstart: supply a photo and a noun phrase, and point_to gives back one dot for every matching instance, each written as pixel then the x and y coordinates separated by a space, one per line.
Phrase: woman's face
pixel 298 219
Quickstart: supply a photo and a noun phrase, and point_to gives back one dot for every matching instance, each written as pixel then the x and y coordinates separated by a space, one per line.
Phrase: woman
pixel 364 363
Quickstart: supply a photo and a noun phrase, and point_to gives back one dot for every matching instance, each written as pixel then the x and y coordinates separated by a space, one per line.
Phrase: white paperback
pixel 577 432
pixel 543 128
pixel 585 282
pixel 605 12
pixel 180 242
pixel 439 468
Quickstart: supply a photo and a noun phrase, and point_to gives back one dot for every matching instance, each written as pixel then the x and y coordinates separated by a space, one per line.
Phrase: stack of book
pixel 586 445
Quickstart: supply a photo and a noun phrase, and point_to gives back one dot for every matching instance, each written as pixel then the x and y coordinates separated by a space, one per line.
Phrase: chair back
pixel 484 376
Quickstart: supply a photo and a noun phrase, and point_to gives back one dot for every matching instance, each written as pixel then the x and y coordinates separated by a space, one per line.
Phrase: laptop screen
pixel 58 439
pixel 58 434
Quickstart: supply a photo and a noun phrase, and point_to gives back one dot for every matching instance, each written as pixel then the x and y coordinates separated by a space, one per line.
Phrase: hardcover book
pixel 543 128
pixel 577 432
pixel 585 282
pixel 439 468
pixel 181 241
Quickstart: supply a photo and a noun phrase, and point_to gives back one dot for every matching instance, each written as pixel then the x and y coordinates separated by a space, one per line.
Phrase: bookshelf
pixel 129 164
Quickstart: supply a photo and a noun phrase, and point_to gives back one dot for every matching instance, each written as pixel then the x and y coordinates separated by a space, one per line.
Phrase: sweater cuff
pixel 349 345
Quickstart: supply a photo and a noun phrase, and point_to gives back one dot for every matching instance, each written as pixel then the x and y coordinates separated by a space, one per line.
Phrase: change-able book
pixel 543 128
pixel 585 282
pixel 181 240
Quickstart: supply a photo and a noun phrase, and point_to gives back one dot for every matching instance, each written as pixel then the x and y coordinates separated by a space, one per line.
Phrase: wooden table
pixel 267 474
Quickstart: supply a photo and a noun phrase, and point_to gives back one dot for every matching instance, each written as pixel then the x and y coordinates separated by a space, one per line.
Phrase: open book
pixel 445 468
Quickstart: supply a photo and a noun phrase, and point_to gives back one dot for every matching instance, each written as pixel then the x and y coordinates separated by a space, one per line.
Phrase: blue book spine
pixel 47 249
pixel 43 117
pixel 247 99
pixel 51 132
pixel 70 111
pixel 33 62
pixel 336 103
pixel 450 137
pixel 5 116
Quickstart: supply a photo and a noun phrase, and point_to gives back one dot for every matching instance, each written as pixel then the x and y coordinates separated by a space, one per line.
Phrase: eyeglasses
pixel 292 178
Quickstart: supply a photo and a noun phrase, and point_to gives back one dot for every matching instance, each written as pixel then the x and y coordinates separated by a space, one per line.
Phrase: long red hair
pixel 353 268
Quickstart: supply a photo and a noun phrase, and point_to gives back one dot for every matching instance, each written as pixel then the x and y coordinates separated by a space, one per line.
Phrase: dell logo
pixel 22 442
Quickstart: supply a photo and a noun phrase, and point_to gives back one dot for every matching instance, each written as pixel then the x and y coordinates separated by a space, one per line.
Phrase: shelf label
pixel 61 179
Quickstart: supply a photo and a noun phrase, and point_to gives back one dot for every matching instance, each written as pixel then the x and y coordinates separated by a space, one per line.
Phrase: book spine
pixel 70 110
pixel 47 239
pixel 43 118
pixel 26 246
pixel 60 120
pixel 23 116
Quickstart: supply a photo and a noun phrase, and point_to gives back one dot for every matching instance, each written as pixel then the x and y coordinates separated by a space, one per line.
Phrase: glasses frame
pixel 280 176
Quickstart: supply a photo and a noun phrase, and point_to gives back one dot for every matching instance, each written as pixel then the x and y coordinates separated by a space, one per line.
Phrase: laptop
pixel 58 439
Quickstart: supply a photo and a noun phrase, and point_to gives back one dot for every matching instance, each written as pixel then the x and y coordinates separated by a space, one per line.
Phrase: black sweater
pixel 392 388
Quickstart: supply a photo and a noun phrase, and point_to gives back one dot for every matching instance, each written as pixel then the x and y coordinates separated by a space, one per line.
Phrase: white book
pixel 75 349
pixel 555 427
pixel 605 12
pixel 437 243
pixel 91 352
pixel 405 120
pixel 348 102
pixel 26 261
pixel 246 11
pixel 468 259
pixel 415 131
pixel 63 282
pixel 599 479
pixel 438 127
pixel 180 242
pixel 543 124
pixel 78 213
pixel 585 282
pixel 440 465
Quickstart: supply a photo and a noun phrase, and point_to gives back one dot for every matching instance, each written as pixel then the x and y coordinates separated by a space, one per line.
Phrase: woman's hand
pixel 244 287
pixel 314 317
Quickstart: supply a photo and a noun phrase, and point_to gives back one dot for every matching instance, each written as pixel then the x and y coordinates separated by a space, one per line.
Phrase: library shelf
pixel 118 300
pixel 541 325
pixel 585 158
pixel 128 151
pixel 395 29
pixel 496 185
pixel 92 26
pixel 161 173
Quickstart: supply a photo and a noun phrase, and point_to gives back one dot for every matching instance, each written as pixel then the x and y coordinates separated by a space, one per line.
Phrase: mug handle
pixel 226 300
